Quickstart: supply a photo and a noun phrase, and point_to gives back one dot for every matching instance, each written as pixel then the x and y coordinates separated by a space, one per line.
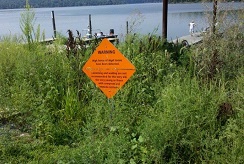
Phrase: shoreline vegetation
pixel 182 105
pixel 16 4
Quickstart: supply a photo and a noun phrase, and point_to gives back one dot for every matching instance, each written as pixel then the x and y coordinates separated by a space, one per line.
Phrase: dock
pixel 48 40
pixel 111 38
pixel 189 40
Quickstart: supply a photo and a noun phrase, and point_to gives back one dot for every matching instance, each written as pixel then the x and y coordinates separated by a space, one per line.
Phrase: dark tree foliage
pixel 10 4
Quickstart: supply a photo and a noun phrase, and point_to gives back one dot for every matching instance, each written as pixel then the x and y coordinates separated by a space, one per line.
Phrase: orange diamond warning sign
pixel 108 68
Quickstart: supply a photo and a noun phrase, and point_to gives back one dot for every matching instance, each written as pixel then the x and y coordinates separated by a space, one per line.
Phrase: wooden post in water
pixel 127 27
pixel 165 18
pixel 90 25
pixel 54 26
pixel 215 6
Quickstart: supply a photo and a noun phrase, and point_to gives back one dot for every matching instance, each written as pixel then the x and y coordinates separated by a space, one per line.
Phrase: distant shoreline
pixel 57 6
pixel 36 6
pixel 111 5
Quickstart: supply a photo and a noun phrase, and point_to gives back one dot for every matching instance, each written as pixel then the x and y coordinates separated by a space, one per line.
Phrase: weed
pixel 170 111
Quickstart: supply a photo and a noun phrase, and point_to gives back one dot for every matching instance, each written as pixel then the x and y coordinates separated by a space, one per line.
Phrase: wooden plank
pixel 190 39
pixel 48 40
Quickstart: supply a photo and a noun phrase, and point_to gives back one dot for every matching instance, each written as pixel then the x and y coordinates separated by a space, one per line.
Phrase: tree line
pixel 11 4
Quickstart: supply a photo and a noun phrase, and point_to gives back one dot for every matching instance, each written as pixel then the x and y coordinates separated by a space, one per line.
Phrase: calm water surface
pixel 149 17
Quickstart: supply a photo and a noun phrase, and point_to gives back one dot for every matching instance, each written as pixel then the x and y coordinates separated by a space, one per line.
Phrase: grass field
pixel 182 105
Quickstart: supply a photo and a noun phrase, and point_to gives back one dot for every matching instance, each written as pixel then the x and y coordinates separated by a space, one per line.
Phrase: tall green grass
pixel 168 112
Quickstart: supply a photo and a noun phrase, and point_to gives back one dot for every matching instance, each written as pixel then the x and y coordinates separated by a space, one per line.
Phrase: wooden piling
pixel 127 27
pixel 54 25
pixel 90 24
pixel 165 18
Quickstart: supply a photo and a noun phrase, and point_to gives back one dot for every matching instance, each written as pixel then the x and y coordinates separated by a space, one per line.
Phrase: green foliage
pixel 64 3
pixel 27 25
pixel 220 54
pixel 50 112
pixel 185 118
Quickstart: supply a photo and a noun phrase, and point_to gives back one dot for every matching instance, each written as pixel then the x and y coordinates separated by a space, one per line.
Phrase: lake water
pixel 147 18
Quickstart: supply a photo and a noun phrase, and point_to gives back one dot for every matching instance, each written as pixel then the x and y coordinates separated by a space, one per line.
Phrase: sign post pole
pixel 111 103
